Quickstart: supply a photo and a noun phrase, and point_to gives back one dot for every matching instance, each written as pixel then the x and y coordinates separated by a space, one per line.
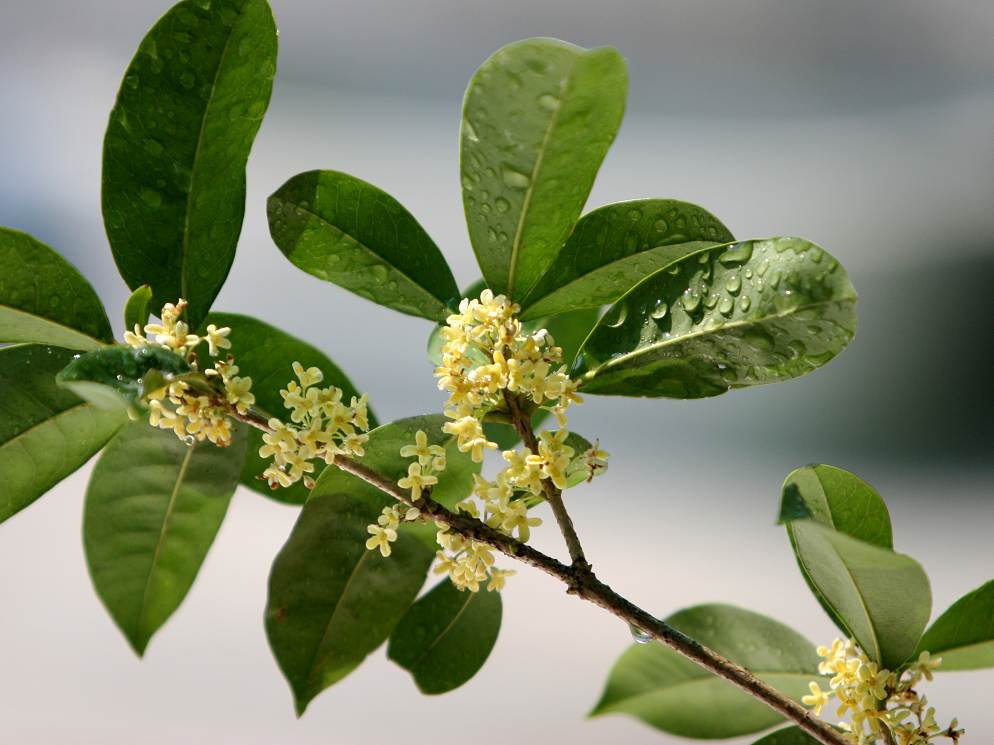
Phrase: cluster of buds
pixel 322 428
pixel 883 706
pixel 194 413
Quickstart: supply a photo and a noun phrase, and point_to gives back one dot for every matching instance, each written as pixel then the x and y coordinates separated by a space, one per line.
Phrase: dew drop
pixel 736 254
pixel 659 226
pixel 188 80
pixel 548 102
pixel 659 311
pixel 634 215
pixel 690 300
pixel 151 197
pixel 638 635
pixel 744 303
pixel 468 130
pixel 733 283
pixel 515 179
pixel 502 204
pixel 616 316
pixel 726 305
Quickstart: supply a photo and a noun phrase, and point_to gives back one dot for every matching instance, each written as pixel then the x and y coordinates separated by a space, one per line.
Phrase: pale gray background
pixel 866 127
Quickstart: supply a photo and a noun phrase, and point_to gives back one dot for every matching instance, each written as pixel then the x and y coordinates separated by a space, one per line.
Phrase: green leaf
pixel 153 507
pixel 176 146
pixel 446 636
pixel 383 456
pixel 343 230
pixel 138 308
pixel 669 692
pixel 115 377
pixel 839 500
pixel 878 597
pixel 332 601
pixel 46 432
pixel 964 635
pixel 739 315
pixel 538 119
pixel 265 354
pixel 44 299
pixel 615 247
pixel 787 736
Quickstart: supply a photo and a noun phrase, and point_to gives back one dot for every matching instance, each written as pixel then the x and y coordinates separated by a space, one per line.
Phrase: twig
pixel 581 581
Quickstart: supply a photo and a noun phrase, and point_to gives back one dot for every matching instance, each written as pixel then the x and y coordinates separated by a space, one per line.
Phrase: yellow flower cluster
pixel 194 414
pixel 323 427
pixel 384 531
pixel 879 702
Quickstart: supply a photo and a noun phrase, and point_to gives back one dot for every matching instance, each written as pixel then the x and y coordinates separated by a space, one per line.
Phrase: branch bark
pixel 581 581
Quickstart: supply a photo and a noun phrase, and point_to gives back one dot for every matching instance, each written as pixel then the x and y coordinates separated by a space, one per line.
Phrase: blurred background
pixel 865 127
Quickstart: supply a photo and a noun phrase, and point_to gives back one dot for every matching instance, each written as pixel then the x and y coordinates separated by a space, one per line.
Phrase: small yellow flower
pixel 424 452
pixel 816 699
pixel 416 481
pixel 310 376
pixel 380 538
pixel 217 339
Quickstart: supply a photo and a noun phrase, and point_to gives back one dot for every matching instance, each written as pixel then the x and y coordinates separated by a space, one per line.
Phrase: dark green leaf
pixel 668 692
pixel 46 432
pixel 153 507
pixel 444 638
pixel 265 354
pixel 114 377
pixel 787 736
pixel 44 299
pixel 750 313
pixel 538 119
pixel 343 230
pixel 878 597
pixel 332 601
pixel 615 247
pixel 138 308
pixel 176 146
pixel 964 635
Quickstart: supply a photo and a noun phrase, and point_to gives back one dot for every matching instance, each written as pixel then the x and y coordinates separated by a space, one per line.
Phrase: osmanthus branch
pixel 580 580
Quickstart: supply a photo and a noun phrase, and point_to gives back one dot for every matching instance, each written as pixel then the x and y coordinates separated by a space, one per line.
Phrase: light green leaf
pixel 668 692
pixel 46 432
pixel 878 597
pixel 332 601
pixel 446 636
pixel 138 308
pixel 176 146
pixel 265 354
pixel 153 507
pixel 963 636
pixel 538 119
pixel 116 377
pixel 615 247
pixel 728 317
pixel 44 299
pixel 787 736
pixel 343 230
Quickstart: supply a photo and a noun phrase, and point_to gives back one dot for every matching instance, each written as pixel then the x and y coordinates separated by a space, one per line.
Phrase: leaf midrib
pixel 43 319
pixel 717 329
pixel 445 631
pixel 519 230
pixel 366 248
pixel 689 682
pixel 195 167
pixel 166 519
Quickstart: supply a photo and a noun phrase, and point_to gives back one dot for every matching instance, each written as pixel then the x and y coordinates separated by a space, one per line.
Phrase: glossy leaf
pixel 787 736
pixel 115 377
pixel 615 247
pixel 265 354
pixel 538 119
pixel 878 597
pixel 177 142
pixel 446 636
pixel 46 432
pixel 668 692
pixel 332 601
pixel 963 636
pixel 153 507
pixel 138 308
pixel 746 314
pixel 43 298
pixel 343 230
